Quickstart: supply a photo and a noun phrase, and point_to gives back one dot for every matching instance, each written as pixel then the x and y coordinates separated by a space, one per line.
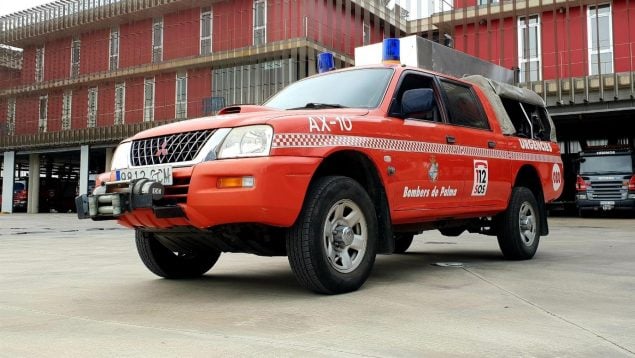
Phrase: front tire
pixel 519 226
pixel 165 263
pixel 332 246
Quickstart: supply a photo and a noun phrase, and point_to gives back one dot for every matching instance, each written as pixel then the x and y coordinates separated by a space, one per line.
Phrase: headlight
pixel 121 158
pixel 250 141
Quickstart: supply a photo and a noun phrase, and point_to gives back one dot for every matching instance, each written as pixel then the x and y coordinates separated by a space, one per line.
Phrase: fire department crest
pixel 433 169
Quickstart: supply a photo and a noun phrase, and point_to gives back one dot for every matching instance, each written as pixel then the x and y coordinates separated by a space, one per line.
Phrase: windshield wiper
pixel 312 105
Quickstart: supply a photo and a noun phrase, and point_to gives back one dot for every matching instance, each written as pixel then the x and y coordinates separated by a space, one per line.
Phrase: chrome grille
pixel 606 190
pixel 172 148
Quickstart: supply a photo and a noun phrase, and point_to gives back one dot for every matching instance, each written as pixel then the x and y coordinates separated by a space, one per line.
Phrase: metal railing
pixel 63 15
pixel 75 137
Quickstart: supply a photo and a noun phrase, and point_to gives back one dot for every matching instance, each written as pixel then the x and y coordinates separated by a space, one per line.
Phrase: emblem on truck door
pixel 433 170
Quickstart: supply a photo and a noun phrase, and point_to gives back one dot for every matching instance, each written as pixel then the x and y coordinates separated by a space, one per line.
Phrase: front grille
pixel 172 148
pixel 606 190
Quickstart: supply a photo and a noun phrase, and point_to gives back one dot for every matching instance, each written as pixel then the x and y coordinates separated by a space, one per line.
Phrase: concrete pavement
pixel 77 288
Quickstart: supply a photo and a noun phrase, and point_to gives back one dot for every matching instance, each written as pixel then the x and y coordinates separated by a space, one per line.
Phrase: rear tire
pixel 332 246
pixel 403 242
pixel 165 263
pixel 519 226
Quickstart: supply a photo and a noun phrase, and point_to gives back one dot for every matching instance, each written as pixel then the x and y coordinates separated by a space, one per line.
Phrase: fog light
pixel 582 196
pixel 631 196
pixel 236 182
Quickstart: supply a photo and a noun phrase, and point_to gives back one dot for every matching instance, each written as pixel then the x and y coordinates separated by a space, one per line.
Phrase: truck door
pixel 429 176
pixel 482 149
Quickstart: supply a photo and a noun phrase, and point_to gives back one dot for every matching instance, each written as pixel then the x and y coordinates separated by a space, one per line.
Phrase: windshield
pixel 606 164
pixel 362 88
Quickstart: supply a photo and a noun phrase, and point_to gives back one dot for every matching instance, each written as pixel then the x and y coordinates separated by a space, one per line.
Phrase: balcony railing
pixel 586 89
pixel 216 59
pixel 75 137
pixel 62 15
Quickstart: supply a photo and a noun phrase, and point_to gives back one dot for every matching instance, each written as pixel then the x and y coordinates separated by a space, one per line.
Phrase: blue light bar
pixel 325 62
pixel 391 51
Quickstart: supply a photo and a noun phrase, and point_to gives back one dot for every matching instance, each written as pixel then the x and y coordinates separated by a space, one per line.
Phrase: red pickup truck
pixel 335 169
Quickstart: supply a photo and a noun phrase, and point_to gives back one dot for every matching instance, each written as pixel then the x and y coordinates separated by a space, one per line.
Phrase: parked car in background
pixel 19 195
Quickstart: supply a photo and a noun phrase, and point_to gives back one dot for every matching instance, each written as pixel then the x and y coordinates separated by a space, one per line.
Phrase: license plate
pixel 607 205
pixel 159 173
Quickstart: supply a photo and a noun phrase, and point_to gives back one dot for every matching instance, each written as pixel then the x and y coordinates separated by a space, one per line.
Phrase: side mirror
pixel 417 100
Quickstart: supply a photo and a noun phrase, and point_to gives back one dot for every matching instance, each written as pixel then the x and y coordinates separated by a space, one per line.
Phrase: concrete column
pixel 83 169
pixel 33 202
pixel 8 177
pixel 109 153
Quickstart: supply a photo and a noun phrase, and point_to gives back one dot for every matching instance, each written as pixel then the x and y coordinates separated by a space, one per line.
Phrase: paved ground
pixel 77 288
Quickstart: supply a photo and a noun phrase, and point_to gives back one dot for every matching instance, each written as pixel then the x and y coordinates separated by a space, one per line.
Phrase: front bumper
pixel 597 205
pixel 280 184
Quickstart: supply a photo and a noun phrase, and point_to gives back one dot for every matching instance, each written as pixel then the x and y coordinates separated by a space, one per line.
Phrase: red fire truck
pixel 335 169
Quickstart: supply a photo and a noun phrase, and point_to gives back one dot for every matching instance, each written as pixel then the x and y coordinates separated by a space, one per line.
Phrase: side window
pixel 541 129
pixel 411 81
pixel 530 121
pixel 463 107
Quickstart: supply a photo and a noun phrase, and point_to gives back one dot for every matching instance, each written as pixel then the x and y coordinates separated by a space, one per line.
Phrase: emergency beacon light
pixel 390 53
pixel 325 62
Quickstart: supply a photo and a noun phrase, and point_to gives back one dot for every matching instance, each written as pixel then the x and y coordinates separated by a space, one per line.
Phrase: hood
pixel 241 116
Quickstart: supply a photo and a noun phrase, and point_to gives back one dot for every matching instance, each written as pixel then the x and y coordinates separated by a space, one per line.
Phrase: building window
pixel 600 35
pixel 75 49
pixel 11 116
pixel 252 83
pixel 39 64
pixel 260 22
pixel 92 107
pixel 44 106
pixel 120 102
pixel 114 48
pixel 206 31
pixel 529 48
pixel 157 39
pixel 366 34
pixel 181 95
pixel 148 100
pixel 67 103
pixel 485 2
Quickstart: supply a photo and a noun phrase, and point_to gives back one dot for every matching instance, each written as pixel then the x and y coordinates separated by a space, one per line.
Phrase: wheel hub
pixel 343 236
pixel 527 223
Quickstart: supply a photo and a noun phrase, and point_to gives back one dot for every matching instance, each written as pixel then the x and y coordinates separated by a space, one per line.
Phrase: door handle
pixel 450 139
pixel 491 144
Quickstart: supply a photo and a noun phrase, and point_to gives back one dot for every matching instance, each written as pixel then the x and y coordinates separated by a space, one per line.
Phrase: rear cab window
pixel 530 121
pixel 463 107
